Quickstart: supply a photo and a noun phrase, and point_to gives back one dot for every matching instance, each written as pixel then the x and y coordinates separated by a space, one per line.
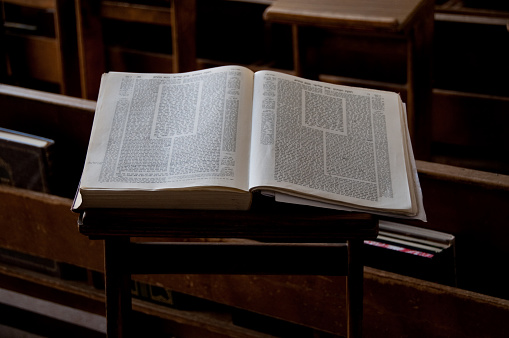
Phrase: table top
pixel 266 221
pixel 384 15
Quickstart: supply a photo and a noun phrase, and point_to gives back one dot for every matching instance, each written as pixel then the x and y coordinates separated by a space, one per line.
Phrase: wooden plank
pixel 395 305
pixel 238 258
pixel 471 119
pixel 53 311
pixel 43 225
pixel 457 12
pixel 125 11
pixel 34 57
pixel 470 177
pixel 117 287
pixel 65 35
pixel 41 4
pixel 286 223
pixel 189 323
pixel 184 35
pixel 90 47
pixel 398 306
pixel 133 60
pixel 355 289
pixel 32 98
pixel 471 205
pixel 419 80
pixel 392 16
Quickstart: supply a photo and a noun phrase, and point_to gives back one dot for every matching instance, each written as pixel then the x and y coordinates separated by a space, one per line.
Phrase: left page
pixel 171 131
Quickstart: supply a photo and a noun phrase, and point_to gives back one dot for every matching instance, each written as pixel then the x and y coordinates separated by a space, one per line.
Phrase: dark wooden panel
pixel 238 258
pixel 34 57
pixel 265 221
pixel 43 225
pixel 137 13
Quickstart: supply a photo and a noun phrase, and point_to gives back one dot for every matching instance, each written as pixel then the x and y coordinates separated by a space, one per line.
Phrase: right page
pixel 333 144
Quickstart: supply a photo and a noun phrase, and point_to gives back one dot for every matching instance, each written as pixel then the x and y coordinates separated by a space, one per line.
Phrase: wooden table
pixel 289 240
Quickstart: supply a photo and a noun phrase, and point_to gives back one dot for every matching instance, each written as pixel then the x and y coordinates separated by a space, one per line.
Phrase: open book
pixel 207 139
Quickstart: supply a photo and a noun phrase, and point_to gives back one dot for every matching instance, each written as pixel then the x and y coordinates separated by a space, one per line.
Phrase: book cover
pixel 25 160
pixel 413 251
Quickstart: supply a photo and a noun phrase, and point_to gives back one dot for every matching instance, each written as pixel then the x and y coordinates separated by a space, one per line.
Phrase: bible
pixel 208 139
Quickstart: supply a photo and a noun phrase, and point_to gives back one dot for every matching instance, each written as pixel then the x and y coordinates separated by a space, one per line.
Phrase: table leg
pixel 355 288
pixel 118 286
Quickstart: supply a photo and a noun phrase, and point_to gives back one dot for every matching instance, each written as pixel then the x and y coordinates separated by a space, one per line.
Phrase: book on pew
pixel 413 251
pixel 25 160
pixel 208 139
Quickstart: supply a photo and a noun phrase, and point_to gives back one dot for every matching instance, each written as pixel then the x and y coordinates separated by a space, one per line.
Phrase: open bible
pixel 208 139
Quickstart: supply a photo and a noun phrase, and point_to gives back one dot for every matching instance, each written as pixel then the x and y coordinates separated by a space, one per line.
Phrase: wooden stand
pixel 410 21
pixel 289 240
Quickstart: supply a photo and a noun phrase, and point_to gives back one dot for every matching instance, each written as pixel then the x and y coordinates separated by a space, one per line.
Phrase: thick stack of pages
pixel 413 251
pixel 208 139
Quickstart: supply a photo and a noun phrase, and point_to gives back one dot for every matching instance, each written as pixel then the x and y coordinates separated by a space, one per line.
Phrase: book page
pixel 157 131
pixel 329 142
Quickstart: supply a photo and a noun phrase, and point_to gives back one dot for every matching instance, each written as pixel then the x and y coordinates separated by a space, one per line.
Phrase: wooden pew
pixel 469 204
pixel 472 205
pixel 97 55
pixel 40 44
pixel 66 120
pixel 461 135
pixel 395 28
